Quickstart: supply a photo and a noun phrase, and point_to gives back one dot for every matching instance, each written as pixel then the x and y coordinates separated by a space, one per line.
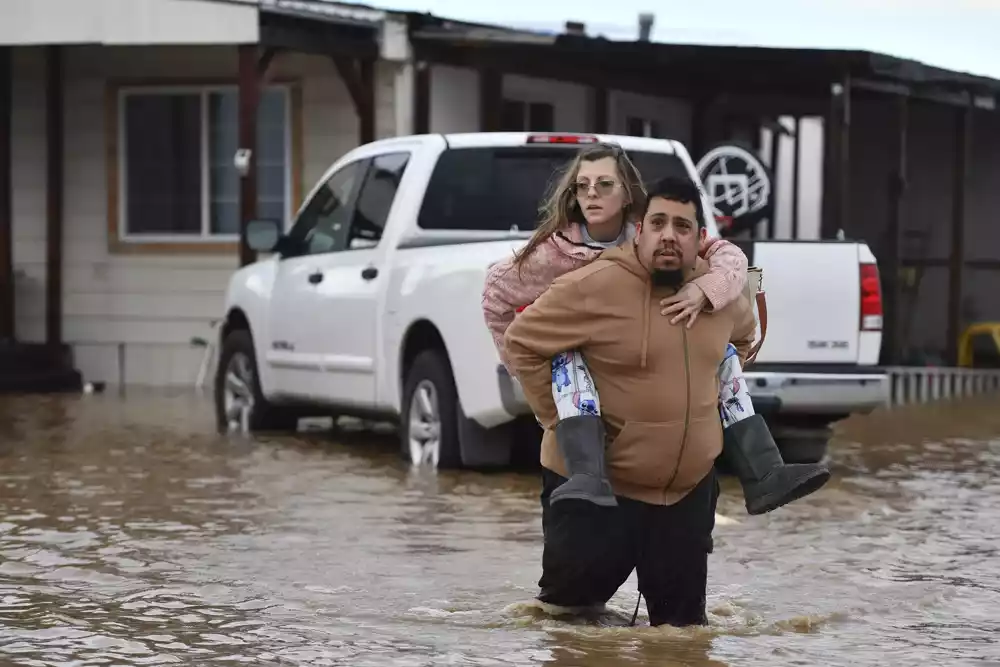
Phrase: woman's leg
pixel 579 432
pixel 734 399
pixel 768 483
pixel 572 387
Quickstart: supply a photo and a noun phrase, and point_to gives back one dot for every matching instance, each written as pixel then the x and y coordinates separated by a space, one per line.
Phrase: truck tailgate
pixel 813 301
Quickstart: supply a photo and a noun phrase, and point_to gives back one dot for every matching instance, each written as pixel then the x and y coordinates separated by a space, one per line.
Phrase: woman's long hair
pixel 561 208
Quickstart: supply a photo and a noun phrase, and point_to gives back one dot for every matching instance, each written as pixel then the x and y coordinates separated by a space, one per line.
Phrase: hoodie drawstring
pixel 646 323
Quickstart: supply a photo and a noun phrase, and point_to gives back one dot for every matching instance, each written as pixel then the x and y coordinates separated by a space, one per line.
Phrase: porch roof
pixel 678 69
pixel 325 28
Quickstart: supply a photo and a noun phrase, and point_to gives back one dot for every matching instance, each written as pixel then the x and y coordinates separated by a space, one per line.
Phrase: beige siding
pixel 142 310
pixel 127 22
pixel 28 189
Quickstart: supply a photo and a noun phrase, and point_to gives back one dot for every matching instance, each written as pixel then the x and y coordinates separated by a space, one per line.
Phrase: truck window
pixel 376 197
pixel 324 224
pixel 501 188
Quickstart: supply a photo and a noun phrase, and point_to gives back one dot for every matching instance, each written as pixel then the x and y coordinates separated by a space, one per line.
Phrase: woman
pixel 592 208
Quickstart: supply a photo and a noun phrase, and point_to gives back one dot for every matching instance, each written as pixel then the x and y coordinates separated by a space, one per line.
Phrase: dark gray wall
pixel 927 207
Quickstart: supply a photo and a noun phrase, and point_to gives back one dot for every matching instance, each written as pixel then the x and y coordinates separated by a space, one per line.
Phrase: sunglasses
pixel 604 187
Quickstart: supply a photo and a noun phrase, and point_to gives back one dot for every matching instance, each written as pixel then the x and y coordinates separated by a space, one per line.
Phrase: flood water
pixel 130 534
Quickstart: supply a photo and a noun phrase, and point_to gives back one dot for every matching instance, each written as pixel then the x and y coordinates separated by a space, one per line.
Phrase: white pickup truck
pixel 370 306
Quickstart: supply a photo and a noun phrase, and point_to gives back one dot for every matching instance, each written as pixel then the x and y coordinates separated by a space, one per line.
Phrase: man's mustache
pixel 670 250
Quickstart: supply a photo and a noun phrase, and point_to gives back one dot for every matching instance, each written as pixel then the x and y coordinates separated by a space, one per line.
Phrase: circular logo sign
pixel 738 186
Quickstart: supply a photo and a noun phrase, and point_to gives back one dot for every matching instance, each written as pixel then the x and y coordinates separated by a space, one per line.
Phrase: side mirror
pixel 263 235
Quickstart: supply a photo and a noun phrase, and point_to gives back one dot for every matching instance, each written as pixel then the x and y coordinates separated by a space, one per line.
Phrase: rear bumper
pixel 844 391
pixel 839 392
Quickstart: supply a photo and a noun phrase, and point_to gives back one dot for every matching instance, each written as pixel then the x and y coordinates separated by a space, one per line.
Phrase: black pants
pixel 590 551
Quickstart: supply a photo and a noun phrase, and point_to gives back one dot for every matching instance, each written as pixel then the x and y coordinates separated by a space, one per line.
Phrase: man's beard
pixel 668 277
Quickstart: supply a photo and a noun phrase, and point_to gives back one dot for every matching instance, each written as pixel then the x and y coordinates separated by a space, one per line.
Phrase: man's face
pixel 669 237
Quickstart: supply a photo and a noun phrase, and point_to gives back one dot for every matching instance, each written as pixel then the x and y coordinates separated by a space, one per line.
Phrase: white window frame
pixel 206 236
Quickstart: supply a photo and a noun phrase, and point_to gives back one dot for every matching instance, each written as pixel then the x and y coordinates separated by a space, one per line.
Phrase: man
pixel 659 391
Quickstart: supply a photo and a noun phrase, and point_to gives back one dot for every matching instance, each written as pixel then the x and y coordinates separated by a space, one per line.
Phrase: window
pixel 324 224
pixel 518 116
pixel 350 210
pixel 177 181
pixel 642 127
pixel 501 189
pixel 375 200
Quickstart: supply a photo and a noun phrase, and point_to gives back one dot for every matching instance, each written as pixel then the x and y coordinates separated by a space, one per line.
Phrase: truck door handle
pixel 316 278
pixel 369 273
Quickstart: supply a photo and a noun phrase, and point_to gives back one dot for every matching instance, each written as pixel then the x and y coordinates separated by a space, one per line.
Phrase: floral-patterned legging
pixel 575 394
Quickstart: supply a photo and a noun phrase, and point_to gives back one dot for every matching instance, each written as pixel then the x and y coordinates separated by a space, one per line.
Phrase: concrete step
pixel 37 368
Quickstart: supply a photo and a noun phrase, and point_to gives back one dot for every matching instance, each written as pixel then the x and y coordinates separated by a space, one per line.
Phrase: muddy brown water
pixel 130 534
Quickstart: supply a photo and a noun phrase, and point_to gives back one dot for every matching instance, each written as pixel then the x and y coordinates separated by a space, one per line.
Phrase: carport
pixel 868 102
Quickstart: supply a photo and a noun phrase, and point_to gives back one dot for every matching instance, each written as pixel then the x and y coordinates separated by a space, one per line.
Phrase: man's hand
pixel 687 303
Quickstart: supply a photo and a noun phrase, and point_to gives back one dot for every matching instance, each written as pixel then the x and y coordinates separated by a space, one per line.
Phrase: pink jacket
pixel 505 291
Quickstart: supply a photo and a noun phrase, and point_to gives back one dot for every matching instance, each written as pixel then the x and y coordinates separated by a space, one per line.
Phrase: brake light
pixel 871 298
pixel 561 139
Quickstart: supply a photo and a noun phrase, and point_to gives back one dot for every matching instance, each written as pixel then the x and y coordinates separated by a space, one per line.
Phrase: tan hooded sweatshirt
pixel 658 383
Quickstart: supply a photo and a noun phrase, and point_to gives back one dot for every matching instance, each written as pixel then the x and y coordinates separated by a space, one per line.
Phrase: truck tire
pixel 429 421
pixel 237 358
pixel 802 445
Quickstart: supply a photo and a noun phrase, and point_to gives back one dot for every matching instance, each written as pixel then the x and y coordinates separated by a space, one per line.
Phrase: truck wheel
pixel 429 424
pixel 802 445
pixel 239 404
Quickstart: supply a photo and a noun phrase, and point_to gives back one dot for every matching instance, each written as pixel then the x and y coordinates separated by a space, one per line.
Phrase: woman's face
pixel 600 192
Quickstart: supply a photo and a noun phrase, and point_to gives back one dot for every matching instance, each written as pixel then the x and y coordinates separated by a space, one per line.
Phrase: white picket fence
pixel 918 384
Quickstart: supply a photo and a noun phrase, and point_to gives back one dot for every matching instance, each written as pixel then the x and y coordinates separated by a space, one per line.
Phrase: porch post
pixel 422 98
pixel 796 177
pixel 600 111
pixel 837 160
pixel 366 129
pixel 55 165
pixel 490 99
pixel 249 94
pixel 956 260
pixel 892 274
pixel 6 205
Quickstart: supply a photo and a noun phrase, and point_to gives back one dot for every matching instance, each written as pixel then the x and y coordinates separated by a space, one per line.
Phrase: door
pixel 321 230
pixel 348 314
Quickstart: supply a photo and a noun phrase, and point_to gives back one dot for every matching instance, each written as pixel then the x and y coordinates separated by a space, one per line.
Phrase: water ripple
pixel 130 535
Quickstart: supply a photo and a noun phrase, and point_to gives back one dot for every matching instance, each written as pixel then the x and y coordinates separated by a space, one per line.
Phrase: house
pixel 121 202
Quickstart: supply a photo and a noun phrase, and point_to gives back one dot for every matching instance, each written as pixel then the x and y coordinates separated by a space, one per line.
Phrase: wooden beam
pixel 359 78
pixel 844 155
pixel 55 165
pixel 796 176
pixel 6 204
pixel 892 273
pixel 264 69
pixel 422 98
pixel 836 161
pixel 490 99
pixel 600 111
pixel 956 260
pixel 249 96
pixel 366 121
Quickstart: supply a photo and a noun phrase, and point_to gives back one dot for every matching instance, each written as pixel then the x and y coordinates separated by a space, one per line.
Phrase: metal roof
pixel 765 66
pixel 326 10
